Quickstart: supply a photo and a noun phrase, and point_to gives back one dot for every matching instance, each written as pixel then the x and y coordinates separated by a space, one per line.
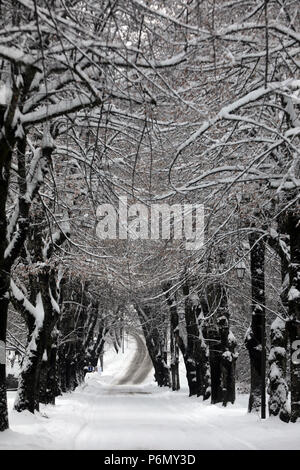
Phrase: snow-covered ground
pixel 103 415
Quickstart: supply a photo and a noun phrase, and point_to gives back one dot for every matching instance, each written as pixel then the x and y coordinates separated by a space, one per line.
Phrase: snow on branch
pixel 111 59
pixel 37 312
pixel 278 244
pixel 60 109
pixel 17 56
pixel 226 113
pixel 34 179
pixel 18 223
pixel 57 239
pixel 5 94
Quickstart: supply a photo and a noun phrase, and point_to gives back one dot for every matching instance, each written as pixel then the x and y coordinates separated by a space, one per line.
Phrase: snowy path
pixel 102 414
pixel 139 367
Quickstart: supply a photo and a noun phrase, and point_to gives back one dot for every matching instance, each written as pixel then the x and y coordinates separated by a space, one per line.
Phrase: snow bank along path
pixel 105 413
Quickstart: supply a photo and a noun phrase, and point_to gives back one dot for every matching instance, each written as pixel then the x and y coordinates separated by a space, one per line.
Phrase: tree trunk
pixel 189 362
pixel 278 389
pixel 228 361
pixel 38 353
pixel 3 320
pixel 215 354
pixel 49 383
pixel 201 352
pixel 255 338
pixel 5 161
pixel 174 361
pixel 4 300
pixel 294 309
pixel 195 352
pixel 222 345
pixel 155 345
pixel 175 340
pixel 192 372
pixel 29 379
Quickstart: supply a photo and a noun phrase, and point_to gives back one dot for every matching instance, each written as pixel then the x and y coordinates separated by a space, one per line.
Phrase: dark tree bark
pixel 82 334
pixel 8 254
pixel 7 144
pixel 175 340
pixel 222 346
pixel 97 348
pixel 293 227
pixel 39 342
pixel 4 295
pixel 40 312
pixel 255 338
pixel 17 229
pixel 215 354
pixel 174 360
pixel 195 352
pixel 179 343
pixel 49 387
pixel 155 342
pixel 278 388
pixel 228 361
pixel 27 398
pixel 202 354
pixel 4 289
pixel 192 363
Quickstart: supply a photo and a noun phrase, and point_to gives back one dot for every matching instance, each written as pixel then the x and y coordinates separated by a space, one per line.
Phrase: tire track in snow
pixel 139 367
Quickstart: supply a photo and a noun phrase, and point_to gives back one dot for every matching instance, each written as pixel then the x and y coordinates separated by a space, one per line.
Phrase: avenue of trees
pixel 170 102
